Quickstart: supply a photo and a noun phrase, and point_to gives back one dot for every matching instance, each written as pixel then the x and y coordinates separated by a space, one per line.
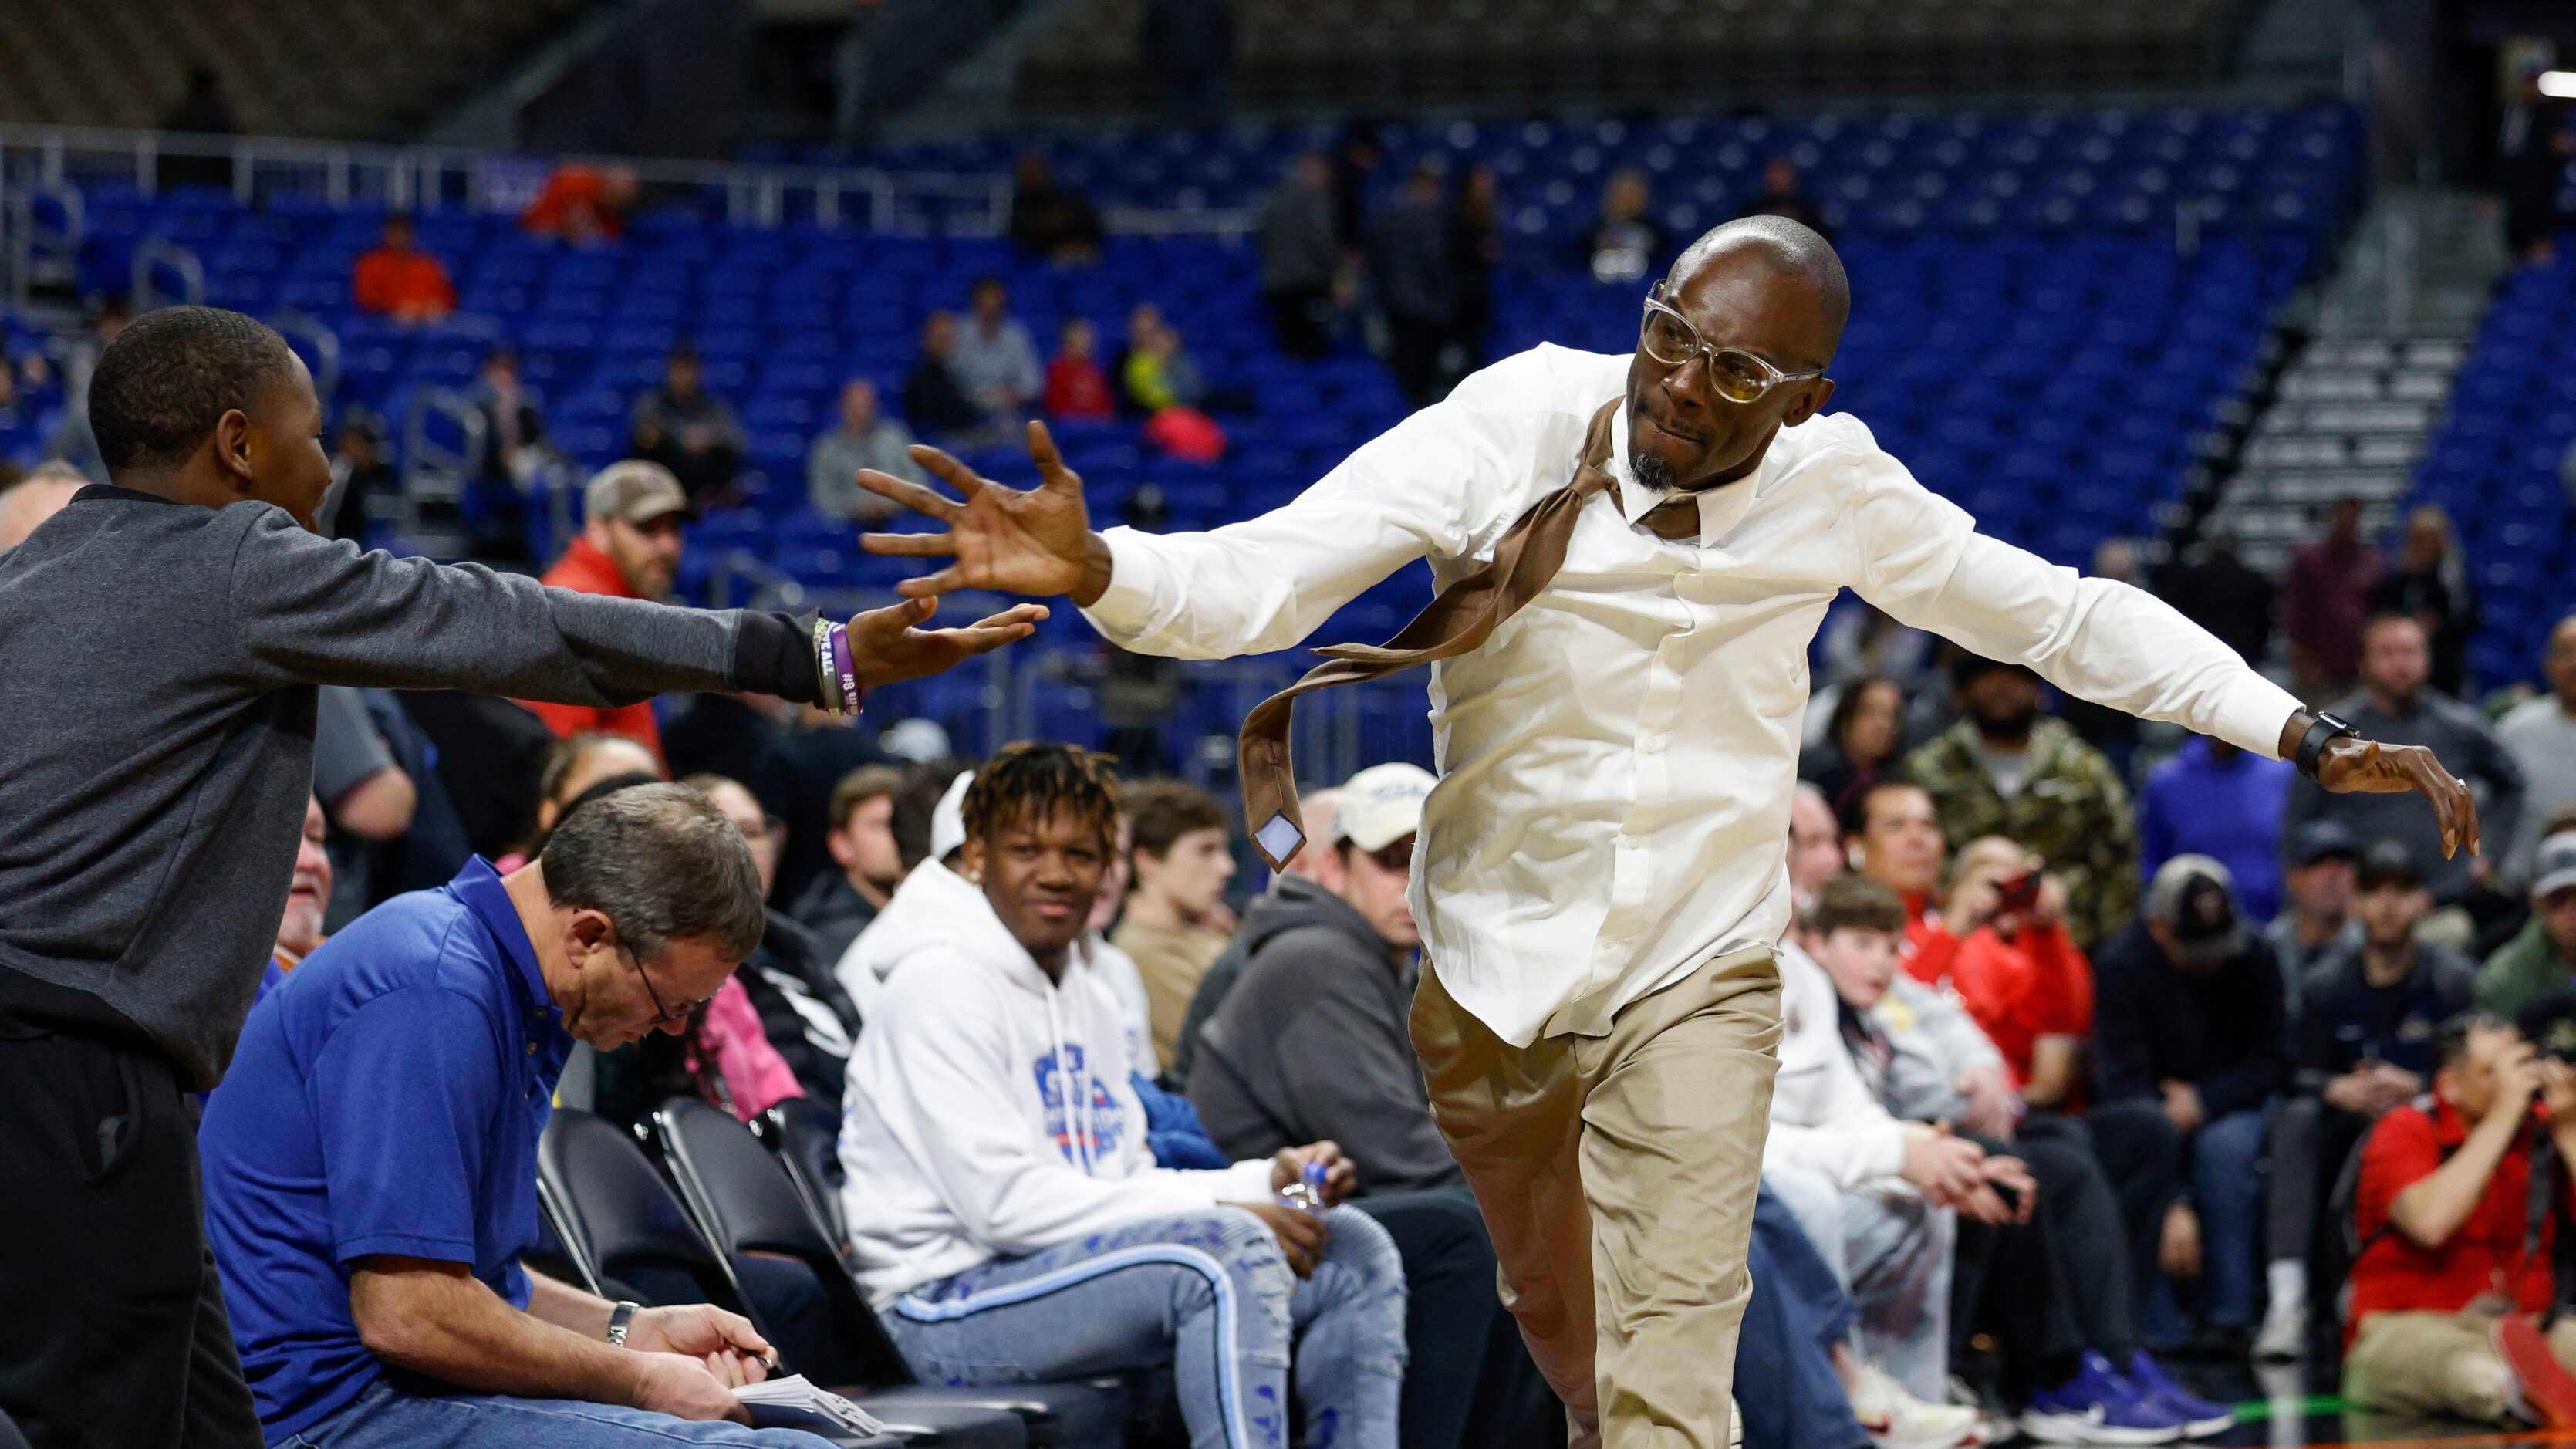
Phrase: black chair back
pixel 807 1138
pixel 618 1220
pixel 746 1204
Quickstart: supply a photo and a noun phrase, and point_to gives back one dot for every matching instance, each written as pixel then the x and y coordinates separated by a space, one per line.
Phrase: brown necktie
pixel 1461 617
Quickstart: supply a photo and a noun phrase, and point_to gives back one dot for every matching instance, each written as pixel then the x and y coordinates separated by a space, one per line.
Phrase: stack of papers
pixel 795 1402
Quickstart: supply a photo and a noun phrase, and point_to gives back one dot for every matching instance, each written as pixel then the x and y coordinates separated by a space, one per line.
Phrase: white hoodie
pixel 989 1112
pixel 1823 1117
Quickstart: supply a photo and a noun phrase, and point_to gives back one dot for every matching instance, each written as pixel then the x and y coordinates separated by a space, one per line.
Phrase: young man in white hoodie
pixel 1005 1212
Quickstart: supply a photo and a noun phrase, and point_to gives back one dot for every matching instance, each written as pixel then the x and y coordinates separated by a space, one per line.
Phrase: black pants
pixel 112 1324
pixel 1298 315
pixel 2041 1285
pixel 1471 1383
pixel 1417 356
pixel 2142 1155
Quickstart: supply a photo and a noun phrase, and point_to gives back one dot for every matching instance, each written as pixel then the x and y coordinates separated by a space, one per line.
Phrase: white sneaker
pixel 2285 1330
pixel 1895 1419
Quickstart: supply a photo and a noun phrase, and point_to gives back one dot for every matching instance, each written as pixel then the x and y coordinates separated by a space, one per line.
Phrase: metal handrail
pixel 151 255
pixel 431 178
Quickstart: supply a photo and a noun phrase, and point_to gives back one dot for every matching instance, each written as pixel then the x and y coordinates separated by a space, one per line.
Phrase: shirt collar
pixel 1720 508
pixel 479 886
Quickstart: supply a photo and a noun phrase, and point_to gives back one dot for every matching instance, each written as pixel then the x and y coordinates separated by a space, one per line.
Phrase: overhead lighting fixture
pixel 2558 84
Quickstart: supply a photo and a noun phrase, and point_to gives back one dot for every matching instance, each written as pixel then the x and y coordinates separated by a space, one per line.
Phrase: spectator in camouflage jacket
pixel 2005 769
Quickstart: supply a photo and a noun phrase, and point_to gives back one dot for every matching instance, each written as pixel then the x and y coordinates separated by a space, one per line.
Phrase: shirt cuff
pixel 1884 1151
pixel 2251 713
pixel 1124 612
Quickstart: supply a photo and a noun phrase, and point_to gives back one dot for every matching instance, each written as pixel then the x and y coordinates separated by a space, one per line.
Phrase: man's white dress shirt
pixel 1617 761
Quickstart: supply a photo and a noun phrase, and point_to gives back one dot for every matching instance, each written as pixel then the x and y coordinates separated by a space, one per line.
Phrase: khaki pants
pixel 1617 1175
pixel 2441 1365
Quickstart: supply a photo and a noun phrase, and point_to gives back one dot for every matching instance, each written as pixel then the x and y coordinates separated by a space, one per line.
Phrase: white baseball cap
pixel 1381 805
pixel 2553 866
pixel 948 818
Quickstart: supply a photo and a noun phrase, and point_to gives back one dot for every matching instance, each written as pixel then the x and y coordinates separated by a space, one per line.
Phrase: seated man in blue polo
pixel 370 1159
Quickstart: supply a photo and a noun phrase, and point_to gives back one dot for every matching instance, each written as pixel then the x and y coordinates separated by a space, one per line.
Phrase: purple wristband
pixel 851 694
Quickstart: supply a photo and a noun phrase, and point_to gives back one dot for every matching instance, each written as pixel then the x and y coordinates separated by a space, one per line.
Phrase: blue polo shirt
pixel 386 1098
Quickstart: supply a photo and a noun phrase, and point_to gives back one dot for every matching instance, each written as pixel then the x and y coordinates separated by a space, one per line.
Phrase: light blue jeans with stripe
pixel 1208 1293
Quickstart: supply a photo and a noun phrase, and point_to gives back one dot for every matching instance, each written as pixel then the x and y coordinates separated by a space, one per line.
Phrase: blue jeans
pixel 385 1417
pixel 1208 1293
pixel 2225 1172
pixel 1784 1371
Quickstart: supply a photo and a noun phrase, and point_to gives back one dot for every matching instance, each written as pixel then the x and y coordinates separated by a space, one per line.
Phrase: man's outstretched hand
pixel 2348 766
pixel 885 647
pixel 1038 542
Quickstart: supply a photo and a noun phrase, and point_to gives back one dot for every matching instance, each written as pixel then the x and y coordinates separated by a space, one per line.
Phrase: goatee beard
pixel 1653 473
pixel 2017 727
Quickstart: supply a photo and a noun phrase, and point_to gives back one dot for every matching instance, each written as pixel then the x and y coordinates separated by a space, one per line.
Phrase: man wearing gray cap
pixel 2316 900
pixel 2187 1014
pixel 628 548
pixel 2542 957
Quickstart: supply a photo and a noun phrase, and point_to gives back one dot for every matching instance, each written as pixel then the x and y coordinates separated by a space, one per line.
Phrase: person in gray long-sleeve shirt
pixel 2396 705
pixel 164 637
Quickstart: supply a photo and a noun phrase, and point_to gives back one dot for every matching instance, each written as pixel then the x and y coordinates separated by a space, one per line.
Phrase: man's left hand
pixel 2183 1107
pixel 2349 766
pixel 726 1343
pixel 885 647
pixel 1290 1167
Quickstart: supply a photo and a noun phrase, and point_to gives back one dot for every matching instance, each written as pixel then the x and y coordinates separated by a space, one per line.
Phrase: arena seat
pixel 624 1230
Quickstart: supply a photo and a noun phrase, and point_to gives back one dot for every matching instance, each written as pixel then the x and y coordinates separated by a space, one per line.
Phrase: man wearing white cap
pixel 1314 1033
pixel 628 548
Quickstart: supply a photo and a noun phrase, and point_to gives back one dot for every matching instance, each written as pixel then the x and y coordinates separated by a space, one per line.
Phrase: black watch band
pixel 2313 743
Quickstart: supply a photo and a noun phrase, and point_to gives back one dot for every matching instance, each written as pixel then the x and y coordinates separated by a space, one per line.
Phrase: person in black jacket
pixel 841 901
pixel 1314 1032
pixel 2188 1019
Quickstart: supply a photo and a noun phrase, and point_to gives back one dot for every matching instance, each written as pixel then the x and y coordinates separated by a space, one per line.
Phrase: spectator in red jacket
pixel 1075 385
pixel 583 205
pixel 2017 971
pixel 2455 1262
pixel 400 281
pixel 629 548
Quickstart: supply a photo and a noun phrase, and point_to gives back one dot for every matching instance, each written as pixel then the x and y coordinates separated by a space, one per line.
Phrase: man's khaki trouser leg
pixel 1617 1175
pixel 2441 1365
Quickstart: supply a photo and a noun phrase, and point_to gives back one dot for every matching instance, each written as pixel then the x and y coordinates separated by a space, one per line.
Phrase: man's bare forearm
pixel 1094 582
pixel 2292 731
pixel 553 1301
pixel 437 1319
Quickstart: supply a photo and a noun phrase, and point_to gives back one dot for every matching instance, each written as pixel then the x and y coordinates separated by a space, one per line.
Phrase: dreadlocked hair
pixel 1034 780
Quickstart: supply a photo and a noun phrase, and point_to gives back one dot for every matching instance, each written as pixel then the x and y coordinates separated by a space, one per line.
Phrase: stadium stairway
pixel 2356 405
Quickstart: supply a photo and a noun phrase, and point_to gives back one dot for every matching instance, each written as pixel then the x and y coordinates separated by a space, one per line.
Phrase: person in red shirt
pixel 629 548
pixel 1075 385
pixel 2018 972
pixel 400 281
pixel 582 205
pixel 2453 1265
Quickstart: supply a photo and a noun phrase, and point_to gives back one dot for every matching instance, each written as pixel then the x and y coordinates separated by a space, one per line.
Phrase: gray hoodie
pixel 1312 1044
pixel 156 732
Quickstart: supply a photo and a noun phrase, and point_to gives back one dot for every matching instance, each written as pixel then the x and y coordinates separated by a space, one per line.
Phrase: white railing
pixel 433 178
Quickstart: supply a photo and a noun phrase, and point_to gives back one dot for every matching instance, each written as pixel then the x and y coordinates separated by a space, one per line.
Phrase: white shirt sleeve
pixel 1923 562
pixel 1011 1191
pixel 1427 486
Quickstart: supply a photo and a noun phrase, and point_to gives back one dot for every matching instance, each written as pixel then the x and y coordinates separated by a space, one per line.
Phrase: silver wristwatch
pixel 620 1318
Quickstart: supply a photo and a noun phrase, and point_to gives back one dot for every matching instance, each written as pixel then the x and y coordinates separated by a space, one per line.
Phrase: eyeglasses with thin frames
pixel 662 1015
pixel 1733 373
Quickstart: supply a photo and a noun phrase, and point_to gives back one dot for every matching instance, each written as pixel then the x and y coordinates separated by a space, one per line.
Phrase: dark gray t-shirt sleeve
pixel 346 747
pixel 306 609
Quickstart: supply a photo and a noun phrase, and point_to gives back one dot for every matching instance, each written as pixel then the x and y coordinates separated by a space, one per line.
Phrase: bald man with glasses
pixel 1633 556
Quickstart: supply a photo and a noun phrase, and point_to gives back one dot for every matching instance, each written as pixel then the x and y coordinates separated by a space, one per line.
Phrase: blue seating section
pixel 2028 335
pixel 1966 172
pixel 2496 466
